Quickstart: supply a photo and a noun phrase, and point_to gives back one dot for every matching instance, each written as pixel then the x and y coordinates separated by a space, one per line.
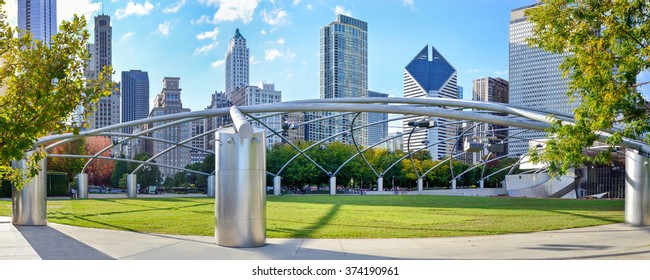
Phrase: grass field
pixel 343 216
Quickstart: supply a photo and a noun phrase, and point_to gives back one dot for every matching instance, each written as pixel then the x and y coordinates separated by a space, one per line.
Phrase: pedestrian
pixel 74 193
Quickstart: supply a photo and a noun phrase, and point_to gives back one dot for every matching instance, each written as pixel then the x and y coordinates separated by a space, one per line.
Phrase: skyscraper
pixel 108 108
pixel 377 132
pixel 344 72
pixel 168 102
pixel 39 17
pixel 237 62
pixel 424 78
pixel 135 97
pixel 535 80
pixel 490 90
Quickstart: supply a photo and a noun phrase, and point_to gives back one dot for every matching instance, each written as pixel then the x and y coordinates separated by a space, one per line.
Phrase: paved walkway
pixel 61 242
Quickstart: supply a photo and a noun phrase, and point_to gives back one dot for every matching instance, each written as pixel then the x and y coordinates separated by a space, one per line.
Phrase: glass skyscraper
pixel 135 97
pixel 434 78
pixel 344 73
pixel 39 17
pixel 535 80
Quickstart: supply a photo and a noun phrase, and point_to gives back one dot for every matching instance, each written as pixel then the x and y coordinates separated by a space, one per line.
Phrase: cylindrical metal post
pixel 240 204
pixel 380 184
pixel 453 184
pixel 29 205
pixel 211 183
pixel 333 185
pixel 420 184
pixel 480 184
pixel 637 189
pixel 277 185
pixel 82 185
pixel 131 186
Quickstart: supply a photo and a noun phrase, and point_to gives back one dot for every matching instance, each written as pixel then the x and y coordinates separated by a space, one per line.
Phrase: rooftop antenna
pixel 103 7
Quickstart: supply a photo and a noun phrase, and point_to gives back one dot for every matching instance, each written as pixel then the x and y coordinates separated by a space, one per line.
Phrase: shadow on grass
pixel 314 227
pixel 608 220
pixel 463 202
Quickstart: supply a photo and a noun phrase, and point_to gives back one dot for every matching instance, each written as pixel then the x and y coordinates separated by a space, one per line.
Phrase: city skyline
pixel 183 39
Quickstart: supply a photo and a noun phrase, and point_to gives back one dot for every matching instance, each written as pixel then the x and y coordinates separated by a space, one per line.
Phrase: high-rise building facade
pixel 39 17
pixel 344 73
pixel 168 102
pixel 377 132
pixel 108 108
pixel 490 90
pixel 434 78
pixel 135 97
pixel 256 95
pixel 237 63
pixel 535 80
pixel 218 101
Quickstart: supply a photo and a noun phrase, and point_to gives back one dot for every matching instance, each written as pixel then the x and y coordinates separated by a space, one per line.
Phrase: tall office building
pixel 435 78
pixel 168 102
pixel 237 62
pixel 490 90
pixel 377 132
pixel 108 108
pixel 135 97
pixel 344 73
pixel 39 17
pixel 256 95
pixel 218 101
pixel 535 80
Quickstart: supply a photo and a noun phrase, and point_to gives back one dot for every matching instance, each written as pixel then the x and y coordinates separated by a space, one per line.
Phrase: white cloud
pixel 252 60
pixel 272 54
pixel 280 41
pixel 275 17
pixel 296 2
pixel 232 10
pixel 127 36
pixel 65 10
pixel 409 3
pixel 203 19
pixel 174 8
pixel 218 63
pixel 206 48
pixel 310 7
pixel 164 28
pixel 342 11
pixel 208 34
pixel 263 32
pixel 134 9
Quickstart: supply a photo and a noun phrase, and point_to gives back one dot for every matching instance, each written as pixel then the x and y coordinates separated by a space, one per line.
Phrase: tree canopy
pixel 40 87
pixel 608 49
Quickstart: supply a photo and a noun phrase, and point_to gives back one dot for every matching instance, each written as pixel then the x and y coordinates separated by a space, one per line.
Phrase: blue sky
pixel 189 39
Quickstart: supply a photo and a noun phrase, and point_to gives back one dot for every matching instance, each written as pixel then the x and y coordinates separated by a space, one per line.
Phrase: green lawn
pixel 343 216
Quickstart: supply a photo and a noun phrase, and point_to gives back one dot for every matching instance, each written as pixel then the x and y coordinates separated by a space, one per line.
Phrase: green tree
pixel 121 168
pixel 609 47
pixel 40 86
pixel 70 166
pixel 148 175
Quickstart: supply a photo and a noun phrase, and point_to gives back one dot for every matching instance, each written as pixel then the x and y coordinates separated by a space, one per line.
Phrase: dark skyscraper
pixel 135 97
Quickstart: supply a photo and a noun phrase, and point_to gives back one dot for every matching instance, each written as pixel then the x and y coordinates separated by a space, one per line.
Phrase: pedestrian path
pixel 62 242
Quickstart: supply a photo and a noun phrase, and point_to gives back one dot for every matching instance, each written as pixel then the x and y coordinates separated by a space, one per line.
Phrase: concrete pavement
pixel 62 242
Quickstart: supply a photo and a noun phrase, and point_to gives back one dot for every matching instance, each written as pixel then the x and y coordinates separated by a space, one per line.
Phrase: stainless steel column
pixel 453 184
pixel 380 184
pixel 131 186
pixel 211 179
pixel 480 184
pixel 29 205
pixel 240 170
pixel 82 185
pixel 637 189
pixel 420 184
pixel 277 185
pixel 333 185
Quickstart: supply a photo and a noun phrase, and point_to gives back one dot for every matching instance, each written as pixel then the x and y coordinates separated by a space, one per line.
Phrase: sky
pixel 189 39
